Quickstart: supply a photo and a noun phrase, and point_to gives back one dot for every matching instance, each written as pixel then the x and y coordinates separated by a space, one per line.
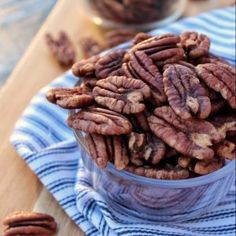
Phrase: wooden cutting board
pixel 20 189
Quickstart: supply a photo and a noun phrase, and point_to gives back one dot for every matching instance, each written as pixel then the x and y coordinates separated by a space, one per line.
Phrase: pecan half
pixel 100 121
pixel 196 45
pixel 99 148
pixel 225 124
pixel 107 148
pixel 206 167
pixel 140 66
pixel 185 94
pixel 62 48
pixel 29 223
pixel 85 67
pixel 175 173
pixel 139 37
pixel 184 161
pixel 221 78
pixel 70 98
pixel 161 49
pixel 110 64
pixel 226 149
pixel 121 94
pixel 136 144
pixel 90 46
pixel 189 137
pixel 118 36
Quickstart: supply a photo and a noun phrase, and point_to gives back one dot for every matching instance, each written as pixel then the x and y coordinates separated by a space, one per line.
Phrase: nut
pixel 155 173
pixel 62 48
pixel 226 149
pixel 98 146
pixel 185 94
pixel 70 98
pixel 139 37
pixel 29 223
pixel 206 167
pixel 121 94
pixel 90 46
pixel 221 78
pixel 100 121
pixel 140 66
pixel 184 161
pixel 196 45
pixel 110 64
pixel 118 36
pixel 161 49
pixel 85 67
pixel 189 137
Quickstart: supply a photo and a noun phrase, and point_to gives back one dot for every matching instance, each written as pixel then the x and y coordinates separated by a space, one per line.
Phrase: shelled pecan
pixel 121 94
pixel 185 94
pixel 110 64
pixel 221 78
pixel 62 48
pixel 196 45
pixel 70 98
pixel 29 223
pixel 100 121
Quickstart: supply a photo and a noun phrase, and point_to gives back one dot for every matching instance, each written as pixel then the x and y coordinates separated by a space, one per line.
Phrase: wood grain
pixel 20 188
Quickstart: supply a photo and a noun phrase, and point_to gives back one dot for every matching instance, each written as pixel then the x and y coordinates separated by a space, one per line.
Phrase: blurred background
pixel 20 20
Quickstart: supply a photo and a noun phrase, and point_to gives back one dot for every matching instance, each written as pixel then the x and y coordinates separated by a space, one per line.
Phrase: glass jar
pixel 135 14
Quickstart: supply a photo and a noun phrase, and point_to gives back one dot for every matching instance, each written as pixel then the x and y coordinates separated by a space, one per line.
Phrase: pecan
pixel 140 66
pixel 105 148
pixel 136 144
pixel 161 49
pixel 121 94
pixel 62 48
pixel 189 137
pixel 184 161
pixel 85 67
pixel 110 64
pixel 154 150
pixel 174 173
pixel 89 81
pixel 226 149
pixel 29 223
pixel 225 124
pixel 90 46
pixel 196 45
pixel 98 146
pixel 221 78
pixel 118 36
pixel 185 94
pixel 100 121
pixel 139 37
pixel 70 98
pixel 206 167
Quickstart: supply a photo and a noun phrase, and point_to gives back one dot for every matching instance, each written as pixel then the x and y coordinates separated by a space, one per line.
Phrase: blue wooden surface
pixel 19 21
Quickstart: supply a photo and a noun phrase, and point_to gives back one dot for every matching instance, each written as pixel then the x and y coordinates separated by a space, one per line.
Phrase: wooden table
pixel 20 188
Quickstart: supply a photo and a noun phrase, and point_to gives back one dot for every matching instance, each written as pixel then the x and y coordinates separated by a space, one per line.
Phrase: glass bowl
pixel 156 200
pixel 139 15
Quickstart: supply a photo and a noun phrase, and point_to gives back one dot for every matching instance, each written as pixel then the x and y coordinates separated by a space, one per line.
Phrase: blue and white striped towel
pixel 44 141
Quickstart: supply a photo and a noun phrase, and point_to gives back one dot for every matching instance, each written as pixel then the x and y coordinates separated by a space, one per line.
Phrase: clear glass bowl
pixel 156 200
pixel 139 15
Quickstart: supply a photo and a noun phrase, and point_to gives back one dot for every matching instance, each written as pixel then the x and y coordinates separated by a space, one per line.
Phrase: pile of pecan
pixel 164 108
pixel 22 223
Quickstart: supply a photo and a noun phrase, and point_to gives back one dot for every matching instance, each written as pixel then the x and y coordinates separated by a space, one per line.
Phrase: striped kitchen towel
pixel 44 141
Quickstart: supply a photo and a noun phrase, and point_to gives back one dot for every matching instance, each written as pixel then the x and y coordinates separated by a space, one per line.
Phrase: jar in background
pixel 135 14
